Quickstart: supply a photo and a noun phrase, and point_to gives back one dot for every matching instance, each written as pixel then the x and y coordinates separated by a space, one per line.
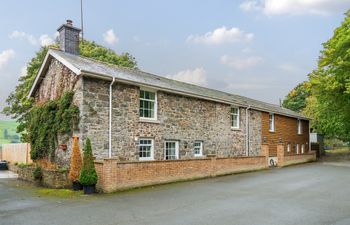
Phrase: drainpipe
pixel 247 130
pixel 110 119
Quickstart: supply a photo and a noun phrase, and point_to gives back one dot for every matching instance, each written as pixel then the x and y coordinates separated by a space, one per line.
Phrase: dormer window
pixel 272 122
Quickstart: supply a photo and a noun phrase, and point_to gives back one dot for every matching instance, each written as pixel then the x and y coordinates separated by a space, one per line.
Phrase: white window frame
pixel 235 114
pixel 297 148
pixel 152 149
pixel 302 148
pixel 176 149
pixel 288 147
pixel 200 148
pixel 300 127
pixel 272 125
pixel 155 103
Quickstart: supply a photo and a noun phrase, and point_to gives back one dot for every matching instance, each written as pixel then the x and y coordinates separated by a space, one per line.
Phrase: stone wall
pixel 50 178
pixel 59 79
pixel 115 175
pixel 179 118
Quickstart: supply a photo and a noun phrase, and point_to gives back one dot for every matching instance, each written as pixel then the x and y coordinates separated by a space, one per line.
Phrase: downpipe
pixel 247 130
pixel 110 119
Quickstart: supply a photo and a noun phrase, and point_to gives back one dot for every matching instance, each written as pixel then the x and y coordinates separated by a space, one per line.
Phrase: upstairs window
pixel 198 148
pixel 272 122
pixel 300 127
pixel 235 117
pixel 148 104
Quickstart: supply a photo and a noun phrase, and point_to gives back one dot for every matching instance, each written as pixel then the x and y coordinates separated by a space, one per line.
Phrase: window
pixel 300 128
pixel 171 150
pixel 148 104
pixel 302 148
pixel 145 149
pixel 297 148
pixel 288 147
pixel 235 117
pixel 198 148
pixel 272 122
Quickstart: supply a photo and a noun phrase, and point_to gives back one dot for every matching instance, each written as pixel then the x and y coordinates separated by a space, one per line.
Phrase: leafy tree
pixel 88 175
pixel 296 98
pixel 330 85
pixel 18 103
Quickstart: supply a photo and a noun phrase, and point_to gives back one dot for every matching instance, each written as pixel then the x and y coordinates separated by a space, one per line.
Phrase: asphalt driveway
pixel 306 194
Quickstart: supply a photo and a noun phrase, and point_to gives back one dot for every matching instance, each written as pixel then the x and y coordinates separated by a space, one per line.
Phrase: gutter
pixel 247 130
pixel 110 119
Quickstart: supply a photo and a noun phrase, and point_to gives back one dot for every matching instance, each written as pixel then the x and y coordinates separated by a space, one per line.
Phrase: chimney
pixel 69 38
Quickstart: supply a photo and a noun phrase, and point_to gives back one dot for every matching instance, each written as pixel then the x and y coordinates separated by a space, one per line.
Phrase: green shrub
pixel 16 163
pixel 88 175
pixel 37 173
pixel 46 121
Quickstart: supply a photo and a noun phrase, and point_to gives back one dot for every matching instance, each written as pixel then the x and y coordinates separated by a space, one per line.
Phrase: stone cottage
pixel 131 115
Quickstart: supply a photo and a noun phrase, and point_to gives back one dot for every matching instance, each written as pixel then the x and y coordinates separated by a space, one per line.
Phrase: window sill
pixel 143 120
pixel 140 159
pixel 236 128
pixel 272 131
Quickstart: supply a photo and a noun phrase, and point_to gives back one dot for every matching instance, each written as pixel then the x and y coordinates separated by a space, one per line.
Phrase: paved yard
pixel 306 194
pixel 7 174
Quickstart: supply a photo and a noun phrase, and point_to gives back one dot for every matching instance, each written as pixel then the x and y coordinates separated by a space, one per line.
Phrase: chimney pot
pixel 70 23
pixel 69 38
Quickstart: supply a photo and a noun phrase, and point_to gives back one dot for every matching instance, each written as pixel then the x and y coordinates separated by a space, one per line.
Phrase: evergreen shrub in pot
pixel 88 175
pixel 75 166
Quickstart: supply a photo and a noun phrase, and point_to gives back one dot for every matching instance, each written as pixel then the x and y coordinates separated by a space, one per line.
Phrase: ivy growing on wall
pixel 47 121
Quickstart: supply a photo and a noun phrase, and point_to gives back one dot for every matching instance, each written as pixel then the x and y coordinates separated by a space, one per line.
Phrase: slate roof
pixel 82 65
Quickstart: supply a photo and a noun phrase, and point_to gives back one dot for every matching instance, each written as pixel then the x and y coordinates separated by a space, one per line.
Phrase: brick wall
pixel 286 130
pixel 115 175
pixel 291 159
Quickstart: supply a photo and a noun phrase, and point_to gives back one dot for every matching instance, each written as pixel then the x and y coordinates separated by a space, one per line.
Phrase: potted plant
pixel 75 165
pixel 88 175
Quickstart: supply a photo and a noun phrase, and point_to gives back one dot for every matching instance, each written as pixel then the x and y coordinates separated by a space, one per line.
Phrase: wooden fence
pixel 19 153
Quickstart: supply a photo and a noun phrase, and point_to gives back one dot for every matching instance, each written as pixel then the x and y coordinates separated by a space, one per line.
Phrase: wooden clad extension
pixel 286 131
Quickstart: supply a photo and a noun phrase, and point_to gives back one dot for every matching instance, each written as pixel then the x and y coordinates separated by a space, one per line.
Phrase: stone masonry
pixel 180 118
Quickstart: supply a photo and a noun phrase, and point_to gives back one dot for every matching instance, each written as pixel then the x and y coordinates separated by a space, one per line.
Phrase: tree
pixel 296 98
pixel 19 105
pixel 330 85
pixel 88 175
pixel 75 161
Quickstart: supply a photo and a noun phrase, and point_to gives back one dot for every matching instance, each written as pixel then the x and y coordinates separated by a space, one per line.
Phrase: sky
pixel 255 48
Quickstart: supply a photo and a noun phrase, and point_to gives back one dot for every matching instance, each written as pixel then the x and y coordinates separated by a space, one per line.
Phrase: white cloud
pixel 296 7
pixel 23 36
pixel 6 56
pixel 43 40
pixel 221 35
pixel 239 62
pixel 196 76
pixel 46 40
pixel 110 37
pixel 24 71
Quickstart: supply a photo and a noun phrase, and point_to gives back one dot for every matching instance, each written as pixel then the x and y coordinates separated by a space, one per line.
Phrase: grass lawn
pixel 340 154
pixel 8 128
